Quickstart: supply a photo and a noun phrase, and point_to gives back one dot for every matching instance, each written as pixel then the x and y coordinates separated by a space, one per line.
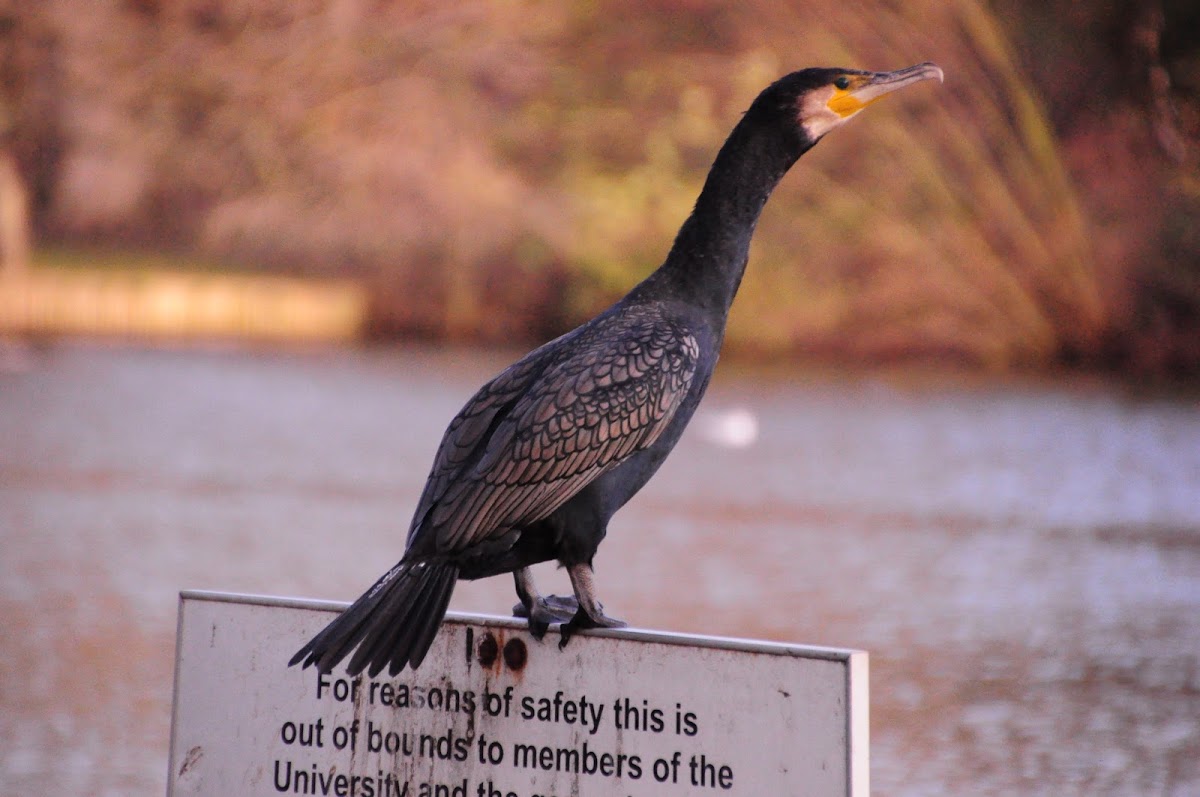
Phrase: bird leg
pixel 541 611
pixel 590 613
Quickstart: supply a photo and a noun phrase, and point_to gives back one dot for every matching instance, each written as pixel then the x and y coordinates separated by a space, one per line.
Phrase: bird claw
pixel 583 620
pixel 546 612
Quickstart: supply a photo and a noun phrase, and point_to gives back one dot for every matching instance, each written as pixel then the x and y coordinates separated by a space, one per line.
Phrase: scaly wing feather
pixel 534 437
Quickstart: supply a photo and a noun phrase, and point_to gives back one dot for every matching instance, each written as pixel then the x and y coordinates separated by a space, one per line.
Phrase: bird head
pixel 821 99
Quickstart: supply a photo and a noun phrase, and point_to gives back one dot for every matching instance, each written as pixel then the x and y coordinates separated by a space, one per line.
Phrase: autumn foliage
pixel 500 171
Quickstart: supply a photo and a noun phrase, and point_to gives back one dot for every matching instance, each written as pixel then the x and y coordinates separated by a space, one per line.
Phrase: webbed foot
pixel 546 611
pixel 583 620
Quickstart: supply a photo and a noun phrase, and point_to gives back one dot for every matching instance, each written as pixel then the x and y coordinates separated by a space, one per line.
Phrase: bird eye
pixel 842 82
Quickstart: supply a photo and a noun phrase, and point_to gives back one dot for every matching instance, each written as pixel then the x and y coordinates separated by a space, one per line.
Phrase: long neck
pixel 706 263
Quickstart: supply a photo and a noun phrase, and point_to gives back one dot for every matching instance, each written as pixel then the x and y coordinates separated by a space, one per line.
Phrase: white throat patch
pixel 816 117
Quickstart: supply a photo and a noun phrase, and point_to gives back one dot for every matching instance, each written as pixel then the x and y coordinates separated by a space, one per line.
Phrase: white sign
pixel 493 712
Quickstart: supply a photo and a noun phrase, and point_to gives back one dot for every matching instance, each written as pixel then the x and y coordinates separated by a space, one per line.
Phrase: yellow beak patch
pixel 844 104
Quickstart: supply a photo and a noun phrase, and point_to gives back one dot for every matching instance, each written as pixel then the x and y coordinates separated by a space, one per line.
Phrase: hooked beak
pixel 877 84
pixel 870 86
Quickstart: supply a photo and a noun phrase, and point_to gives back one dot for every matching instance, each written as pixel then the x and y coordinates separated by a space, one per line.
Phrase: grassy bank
pixel 153 297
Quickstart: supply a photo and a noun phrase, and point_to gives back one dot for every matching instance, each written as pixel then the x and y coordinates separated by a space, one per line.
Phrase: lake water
pixel 1022 560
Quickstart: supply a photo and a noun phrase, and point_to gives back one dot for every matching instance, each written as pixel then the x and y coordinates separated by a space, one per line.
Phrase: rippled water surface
pixel 1021 561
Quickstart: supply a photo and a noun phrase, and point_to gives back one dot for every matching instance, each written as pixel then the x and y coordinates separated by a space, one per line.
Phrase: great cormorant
pixel 543 455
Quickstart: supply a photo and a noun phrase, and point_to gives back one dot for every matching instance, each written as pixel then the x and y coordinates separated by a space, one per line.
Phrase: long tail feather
pixel 426 635
pixel 392 624
pixel 401 606
pixel 372 654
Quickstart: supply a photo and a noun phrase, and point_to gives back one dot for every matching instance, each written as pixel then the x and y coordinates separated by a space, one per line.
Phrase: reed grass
pixel 442 153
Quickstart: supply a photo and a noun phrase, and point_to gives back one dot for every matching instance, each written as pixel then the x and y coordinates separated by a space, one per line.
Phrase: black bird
pixel 539 460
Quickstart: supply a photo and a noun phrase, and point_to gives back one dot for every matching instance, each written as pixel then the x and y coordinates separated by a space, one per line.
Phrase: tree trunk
pixel 14 219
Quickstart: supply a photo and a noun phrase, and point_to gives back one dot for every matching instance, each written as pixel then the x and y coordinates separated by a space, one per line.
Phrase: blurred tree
pixel 502 169
pixel 1122 85
pixel 14 207
pixel 14 218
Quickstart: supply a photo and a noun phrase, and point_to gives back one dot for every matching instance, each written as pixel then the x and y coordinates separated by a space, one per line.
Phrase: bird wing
pixel 553 422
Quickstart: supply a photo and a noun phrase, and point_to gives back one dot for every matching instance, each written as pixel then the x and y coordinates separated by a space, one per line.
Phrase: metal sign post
pixel 494 713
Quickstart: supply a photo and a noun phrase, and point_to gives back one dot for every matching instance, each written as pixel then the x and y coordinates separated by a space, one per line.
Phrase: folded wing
pixel 533 437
